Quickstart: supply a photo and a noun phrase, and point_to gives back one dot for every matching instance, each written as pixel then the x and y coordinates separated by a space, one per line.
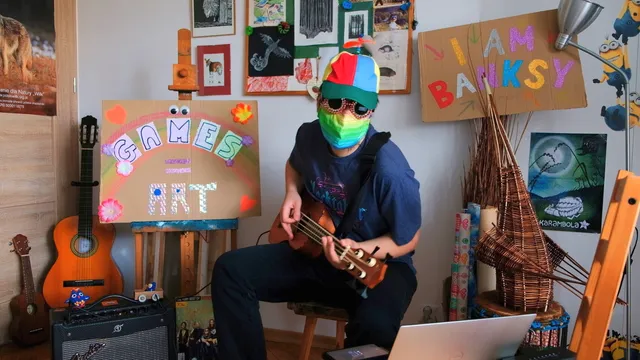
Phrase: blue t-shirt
pixel 391 204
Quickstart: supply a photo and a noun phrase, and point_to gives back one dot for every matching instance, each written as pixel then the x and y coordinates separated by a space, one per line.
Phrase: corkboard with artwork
pixel 290 42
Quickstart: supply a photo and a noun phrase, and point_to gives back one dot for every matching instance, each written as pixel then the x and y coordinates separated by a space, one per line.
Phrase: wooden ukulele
pixel 29 313
pixel 83 243
pixel 315 222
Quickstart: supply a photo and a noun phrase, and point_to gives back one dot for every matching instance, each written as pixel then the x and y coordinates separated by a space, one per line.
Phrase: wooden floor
pixel 275 350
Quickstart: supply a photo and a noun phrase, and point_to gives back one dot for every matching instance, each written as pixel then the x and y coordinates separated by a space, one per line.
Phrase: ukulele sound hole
pixel 82 246
pixel 31 309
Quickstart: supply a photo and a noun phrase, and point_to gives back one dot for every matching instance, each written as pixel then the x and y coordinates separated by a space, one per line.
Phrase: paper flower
pixel 229 163
pixel 107 149
pixel 284 27
pixel 248 30
pixel 247 140
pixel 109 210
pixel 347 5
pixel 124 168
pixel 242 113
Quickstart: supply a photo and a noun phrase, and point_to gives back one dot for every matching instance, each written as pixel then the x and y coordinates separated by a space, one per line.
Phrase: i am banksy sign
pixel 516 54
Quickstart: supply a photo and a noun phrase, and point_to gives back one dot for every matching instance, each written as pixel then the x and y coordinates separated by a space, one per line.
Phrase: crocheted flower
pixel 242 113
pixel 247 140
pixel 124 168
pixel 107 149
pixel 109 210
pixel 284 27
pixel 248 30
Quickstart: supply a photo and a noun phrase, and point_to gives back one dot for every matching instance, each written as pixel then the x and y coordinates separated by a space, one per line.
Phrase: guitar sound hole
pixel 82 246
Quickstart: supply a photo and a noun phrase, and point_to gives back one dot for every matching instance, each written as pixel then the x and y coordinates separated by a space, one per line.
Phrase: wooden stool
pixel 314 311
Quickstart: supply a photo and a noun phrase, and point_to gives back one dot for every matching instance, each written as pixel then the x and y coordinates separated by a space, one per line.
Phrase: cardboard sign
pixel 516 54
pixel 179 160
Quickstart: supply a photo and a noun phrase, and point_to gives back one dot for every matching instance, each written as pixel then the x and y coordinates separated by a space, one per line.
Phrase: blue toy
pixel 77 298
pixel 151 287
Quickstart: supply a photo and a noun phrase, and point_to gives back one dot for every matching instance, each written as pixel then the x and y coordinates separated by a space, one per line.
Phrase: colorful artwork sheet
pixel 566 180
pixel 517 56
pixel 179 160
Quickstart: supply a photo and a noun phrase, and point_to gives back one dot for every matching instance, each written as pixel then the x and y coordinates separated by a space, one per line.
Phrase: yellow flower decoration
pixel 242 113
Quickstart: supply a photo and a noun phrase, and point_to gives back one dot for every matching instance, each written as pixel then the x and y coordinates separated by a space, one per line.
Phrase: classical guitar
pixel 315 223
pixel 84 244
pixel 29 313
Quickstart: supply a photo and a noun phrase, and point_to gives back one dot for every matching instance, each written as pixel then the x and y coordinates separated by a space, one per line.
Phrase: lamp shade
pixel 573 17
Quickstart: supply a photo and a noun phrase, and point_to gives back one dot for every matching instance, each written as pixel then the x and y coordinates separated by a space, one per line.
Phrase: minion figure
pixel 627 24
pixel 614 116
pixel 78 299
pixel 616 53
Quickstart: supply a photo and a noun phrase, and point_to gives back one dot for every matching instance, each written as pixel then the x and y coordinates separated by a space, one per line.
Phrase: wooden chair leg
pixel 340 334
pixel 307 337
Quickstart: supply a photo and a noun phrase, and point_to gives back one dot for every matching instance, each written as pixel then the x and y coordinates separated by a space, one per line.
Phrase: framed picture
pixel 213 18
pixel 214 69
pixel 196 332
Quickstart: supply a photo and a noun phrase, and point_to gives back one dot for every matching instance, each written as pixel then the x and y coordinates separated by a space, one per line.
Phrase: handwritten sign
pixel 179 160
pixel 518 58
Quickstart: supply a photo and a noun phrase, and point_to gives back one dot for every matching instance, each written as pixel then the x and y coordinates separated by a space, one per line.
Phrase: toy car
pixel 154 295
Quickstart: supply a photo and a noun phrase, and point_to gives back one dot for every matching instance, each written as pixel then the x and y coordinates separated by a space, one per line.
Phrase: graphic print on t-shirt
pixel 331 193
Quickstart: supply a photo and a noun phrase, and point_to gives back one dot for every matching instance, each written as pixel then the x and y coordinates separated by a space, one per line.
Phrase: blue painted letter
pixel 509 73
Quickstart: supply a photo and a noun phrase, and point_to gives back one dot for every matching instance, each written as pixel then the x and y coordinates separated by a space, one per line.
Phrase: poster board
pixel 179 160
pixel 518 57
pixel 296 64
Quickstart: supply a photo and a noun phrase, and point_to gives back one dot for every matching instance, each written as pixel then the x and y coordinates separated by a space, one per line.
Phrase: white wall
pixel 127 48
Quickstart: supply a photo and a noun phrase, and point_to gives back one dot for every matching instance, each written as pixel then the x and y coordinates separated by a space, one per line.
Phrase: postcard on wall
pixel 267 12
pixel 179 160
pixel 212 18
pixel 196 330
pixel 518 58
pixel 29 84
pixel 316 22
pixel 356 24
pixel 566 180
pixel 391 17
pixel 391 55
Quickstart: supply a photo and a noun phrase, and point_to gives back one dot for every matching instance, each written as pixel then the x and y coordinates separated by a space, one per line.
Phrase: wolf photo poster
pixel 566 180
pixel 28 77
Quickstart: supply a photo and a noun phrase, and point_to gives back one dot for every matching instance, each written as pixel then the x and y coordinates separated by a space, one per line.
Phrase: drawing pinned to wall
pixel 266 12
pixel 214 70
pixel 316 22
pixel 190 154
pixel 390 17
pixel 28 43
pixel 382 3
pixel 566 180
pixel 212 18
pixel 355 22
pixel 270 53
pixel 391 55
pixel 356 25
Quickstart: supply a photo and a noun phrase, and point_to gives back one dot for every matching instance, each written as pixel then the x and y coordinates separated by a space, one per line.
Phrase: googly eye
pixel 73 296
pixel 184 110
pixel 80 294
pixel 173 109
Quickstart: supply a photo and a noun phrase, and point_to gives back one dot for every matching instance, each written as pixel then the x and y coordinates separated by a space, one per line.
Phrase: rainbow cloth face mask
pixel 343 129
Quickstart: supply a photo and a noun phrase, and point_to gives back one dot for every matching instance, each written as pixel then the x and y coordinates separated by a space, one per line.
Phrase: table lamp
pixel 574 16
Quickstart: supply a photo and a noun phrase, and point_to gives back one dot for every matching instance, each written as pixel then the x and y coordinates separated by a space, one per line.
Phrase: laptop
pixel 481 339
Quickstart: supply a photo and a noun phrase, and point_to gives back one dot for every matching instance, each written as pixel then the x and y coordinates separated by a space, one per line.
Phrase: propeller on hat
pixel 363 41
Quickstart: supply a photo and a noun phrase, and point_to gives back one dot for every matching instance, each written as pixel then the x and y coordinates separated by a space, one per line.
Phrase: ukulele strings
pixel 315 232
pixel 314 236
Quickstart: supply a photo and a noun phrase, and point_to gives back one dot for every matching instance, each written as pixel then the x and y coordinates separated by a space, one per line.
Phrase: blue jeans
pixel 276 273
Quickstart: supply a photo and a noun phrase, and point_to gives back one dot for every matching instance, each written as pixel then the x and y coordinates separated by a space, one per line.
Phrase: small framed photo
pixel 214 72
pixel 213 18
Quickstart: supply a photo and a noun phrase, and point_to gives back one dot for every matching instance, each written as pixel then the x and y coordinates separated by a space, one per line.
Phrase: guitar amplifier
pixel 114 327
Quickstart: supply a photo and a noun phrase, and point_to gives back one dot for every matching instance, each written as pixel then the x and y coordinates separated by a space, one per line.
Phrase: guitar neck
pixel 85 206
pixel 27 278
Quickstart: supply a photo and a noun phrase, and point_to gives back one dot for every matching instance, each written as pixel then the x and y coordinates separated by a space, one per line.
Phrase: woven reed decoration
pixel 517 289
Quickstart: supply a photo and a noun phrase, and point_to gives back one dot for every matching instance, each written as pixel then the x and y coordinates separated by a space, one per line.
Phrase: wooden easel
pixel 192 279
pixel 606 273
